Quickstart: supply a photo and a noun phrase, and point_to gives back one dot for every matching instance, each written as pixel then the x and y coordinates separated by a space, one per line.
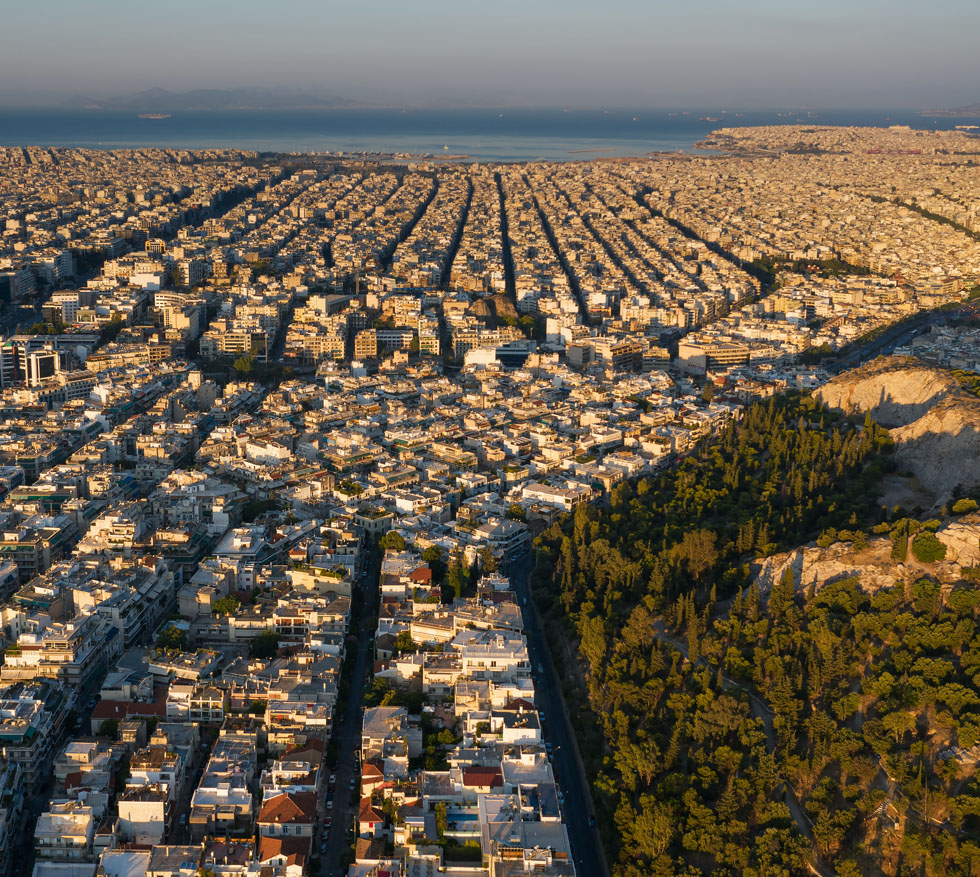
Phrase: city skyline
pixel 489 440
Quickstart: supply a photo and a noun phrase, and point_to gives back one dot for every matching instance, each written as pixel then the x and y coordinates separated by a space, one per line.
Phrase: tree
pixel 458 576
pixel 266 645
pixel 393 541
pixel 654 827
pixel 516 513
pixel 172 639
pixel 964 506
pixel 404 644
pixel 244 364
pixel 593 643
pixel 900 539
pixel 255 508
pixel 225 605
pixel 488 563
pixel 109 728
pixel 55 327
pixel 899 723
pixel 433 556
pixel 697 549
pixel 441 821
pixel 110 331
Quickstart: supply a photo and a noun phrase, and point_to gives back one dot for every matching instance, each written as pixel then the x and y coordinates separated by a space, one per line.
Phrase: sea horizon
pixel 496 134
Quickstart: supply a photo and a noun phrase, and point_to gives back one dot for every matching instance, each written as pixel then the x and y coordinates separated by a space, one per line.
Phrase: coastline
pixel 483 135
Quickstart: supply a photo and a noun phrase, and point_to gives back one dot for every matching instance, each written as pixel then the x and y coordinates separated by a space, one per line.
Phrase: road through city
pixel 577 812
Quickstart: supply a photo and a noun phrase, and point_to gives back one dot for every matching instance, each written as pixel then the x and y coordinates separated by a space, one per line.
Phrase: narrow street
pixel 569 771
pixel 347 736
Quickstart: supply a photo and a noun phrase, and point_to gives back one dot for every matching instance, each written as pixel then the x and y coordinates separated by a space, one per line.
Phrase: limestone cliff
pixel 874 565
pixel 935 424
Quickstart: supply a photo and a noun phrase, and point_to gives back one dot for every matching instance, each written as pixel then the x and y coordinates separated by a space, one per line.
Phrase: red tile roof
pixel 371 772
pixel 290 808
pixel 123 709
pixel 482 776
pixel 368 814
pixel 295 850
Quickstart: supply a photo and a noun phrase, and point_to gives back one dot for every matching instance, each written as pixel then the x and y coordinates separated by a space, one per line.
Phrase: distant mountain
pixel 972 111
pixel 159 100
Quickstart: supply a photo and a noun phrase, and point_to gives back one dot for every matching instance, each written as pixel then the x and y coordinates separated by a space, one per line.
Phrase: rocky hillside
pixel 874 565
pixel 935 424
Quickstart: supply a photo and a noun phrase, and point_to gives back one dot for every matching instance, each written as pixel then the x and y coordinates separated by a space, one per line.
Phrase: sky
pixel 645 53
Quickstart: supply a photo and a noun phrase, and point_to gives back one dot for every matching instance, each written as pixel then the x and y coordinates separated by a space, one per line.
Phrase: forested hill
pixel 727 735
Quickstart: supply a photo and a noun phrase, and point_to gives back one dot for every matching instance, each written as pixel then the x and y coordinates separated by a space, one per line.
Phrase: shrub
pixel 927 548
pixel 827 538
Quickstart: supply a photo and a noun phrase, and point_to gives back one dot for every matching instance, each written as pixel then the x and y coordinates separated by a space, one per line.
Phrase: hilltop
pixel 935 424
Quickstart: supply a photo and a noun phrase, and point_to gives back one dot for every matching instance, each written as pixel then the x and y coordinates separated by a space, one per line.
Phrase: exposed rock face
pixel 896 390
pixel 874 565
pixel 481 310
pixel 962 540
pixel 943 446
pixel 504 307
pixel 935 424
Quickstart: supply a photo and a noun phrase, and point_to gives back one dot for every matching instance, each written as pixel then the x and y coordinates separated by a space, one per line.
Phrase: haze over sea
pixel 483 134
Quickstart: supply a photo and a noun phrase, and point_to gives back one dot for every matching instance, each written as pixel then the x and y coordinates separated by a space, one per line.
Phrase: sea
pixel 486 134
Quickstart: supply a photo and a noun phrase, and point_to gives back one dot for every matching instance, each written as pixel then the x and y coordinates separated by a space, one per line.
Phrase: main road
pixel 577 812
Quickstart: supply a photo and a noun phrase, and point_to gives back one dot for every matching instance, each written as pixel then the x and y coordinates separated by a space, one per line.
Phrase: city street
pixel 569 774
pixel 347 736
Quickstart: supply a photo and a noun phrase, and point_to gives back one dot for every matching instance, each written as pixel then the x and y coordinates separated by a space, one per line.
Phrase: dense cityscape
pixel 299 459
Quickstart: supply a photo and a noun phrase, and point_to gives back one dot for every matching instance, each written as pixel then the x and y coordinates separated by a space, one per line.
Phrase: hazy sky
pixel 746 53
